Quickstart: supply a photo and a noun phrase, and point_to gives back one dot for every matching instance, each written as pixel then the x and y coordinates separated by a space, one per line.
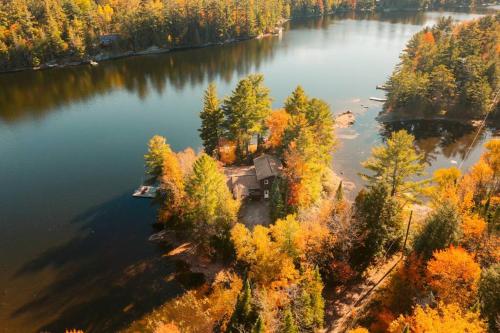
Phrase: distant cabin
pixel 254 181
pixel 109 40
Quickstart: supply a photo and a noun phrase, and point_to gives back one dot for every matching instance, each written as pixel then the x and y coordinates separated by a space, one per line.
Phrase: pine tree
pixel 289 325
pixel 244 317
pixel 394 164
pixel 212 119
pixel 246 111
pixel 157 148
pixel 339 194
pixel 259 326
pixel 317 301
pixel 210 207
pixel 278 207
pixel 297 103
pixel 380 217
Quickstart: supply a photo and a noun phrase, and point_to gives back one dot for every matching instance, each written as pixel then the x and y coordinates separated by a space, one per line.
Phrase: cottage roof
pixel 267 166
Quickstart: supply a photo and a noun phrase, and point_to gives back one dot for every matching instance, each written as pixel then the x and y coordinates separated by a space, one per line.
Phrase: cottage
pixel 109 40
pixel 254 181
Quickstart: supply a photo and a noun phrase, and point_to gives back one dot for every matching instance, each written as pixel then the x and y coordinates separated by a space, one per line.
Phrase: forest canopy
pixel 35 32
pixel 450 69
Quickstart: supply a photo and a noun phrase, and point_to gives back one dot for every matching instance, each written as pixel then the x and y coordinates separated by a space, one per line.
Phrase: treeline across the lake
pixel 36 32
pixel 449 70
pixel 271 273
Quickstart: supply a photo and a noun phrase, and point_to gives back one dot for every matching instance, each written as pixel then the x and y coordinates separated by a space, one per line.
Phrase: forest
pixel 41 32
pixel 440 233
pixel 448 70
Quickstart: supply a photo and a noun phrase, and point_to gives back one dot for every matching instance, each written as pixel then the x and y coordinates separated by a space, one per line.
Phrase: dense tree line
pixel 35 32
pixel 451 69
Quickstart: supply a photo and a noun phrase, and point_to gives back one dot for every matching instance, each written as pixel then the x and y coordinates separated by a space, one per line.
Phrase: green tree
pixel 442 88
pixel 246 110
pixel 259 326
pixel 394 164
pixel 210 207
pixel 278 205
pixel 157 148
pixel 289 325
pixel 212 119
pixel 244 317
pixel 379 216
pixel 339 194
pixel 489 294
pixel 297 103
pixel 441 230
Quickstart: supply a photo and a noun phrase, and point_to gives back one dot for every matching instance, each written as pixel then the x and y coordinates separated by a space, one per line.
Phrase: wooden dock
pixel 377 99
pixel 148 192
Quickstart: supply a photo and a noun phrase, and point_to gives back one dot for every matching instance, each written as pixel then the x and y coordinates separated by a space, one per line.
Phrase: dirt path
pixel 340 303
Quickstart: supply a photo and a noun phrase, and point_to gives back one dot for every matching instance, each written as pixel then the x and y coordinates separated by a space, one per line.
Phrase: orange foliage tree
pixel 454 275
pixel 277 122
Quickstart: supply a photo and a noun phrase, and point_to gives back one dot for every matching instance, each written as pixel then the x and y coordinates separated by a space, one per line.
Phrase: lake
pixel 73 242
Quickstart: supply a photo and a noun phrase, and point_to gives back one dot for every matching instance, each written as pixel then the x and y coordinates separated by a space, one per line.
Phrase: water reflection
pixel 33 94
pixel 103 280
pixel 436 138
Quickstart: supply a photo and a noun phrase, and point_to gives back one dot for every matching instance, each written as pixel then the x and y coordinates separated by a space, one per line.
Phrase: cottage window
pixel 266 182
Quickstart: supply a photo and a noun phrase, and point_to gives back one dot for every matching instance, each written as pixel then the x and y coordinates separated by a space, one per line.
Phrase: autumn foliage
pixel 454 275
pixel 446 318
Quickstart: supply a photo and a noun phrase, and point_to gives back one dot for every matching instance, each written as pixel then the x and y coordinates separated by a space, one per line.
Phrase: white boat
pixel 145 192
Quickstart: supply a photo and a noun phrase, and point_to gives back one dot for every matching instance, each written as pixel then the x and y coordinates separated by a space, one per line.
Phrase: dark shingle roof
pixel 267 166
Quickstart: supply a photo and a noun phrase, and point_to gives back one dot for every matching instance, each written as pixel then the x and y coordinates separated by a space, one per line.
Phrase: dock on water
pixel 376 99
pixel 146 192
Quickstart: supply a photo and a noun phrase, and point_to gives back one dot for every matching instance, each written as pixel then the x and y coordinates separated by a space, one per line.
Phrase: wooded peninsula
pixel 271 275
pixel 450 70
pixel 37 34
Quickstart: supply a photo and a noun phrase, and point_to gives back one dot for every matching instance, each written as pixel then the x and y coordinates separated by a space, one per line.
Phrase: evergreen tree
pixel 246 110
pixel 394 164
pixel 489 294
pixel 441 230
pixel 379 216
pixel 244 317
pixel 212 119
pixel 339 194
pixel 297 103
pixel 210 206
pixel 289 325
pixel 157 148
pixel 259 326
pixel 278 206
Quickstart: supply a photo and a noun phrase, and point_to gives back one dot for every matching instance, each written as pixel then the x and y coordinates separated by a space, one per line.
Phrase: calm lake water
pixel 73 242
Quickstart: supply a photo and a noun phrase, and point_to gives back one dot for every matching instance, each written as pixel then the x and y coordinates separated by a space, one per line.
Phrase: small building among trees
pixel 254 181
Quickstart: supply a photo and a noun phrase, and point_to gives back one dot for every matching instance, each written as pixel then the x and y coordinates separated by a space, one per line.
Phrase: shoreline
pixel 152 50
pixel 389 117
pixel 93 60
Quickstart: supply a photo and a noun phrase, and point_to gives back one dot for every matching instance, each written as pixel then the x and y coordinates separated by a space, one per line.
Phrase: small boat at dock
pixel 376 99
pixel 145 192
pixel 382 87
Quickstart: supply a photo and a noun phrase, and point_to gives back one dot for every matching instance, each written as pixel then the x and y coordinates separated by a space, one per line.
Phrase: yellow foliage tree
pixel 446 318
pixel 359 330
pixel 268 261
pixel 454 275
